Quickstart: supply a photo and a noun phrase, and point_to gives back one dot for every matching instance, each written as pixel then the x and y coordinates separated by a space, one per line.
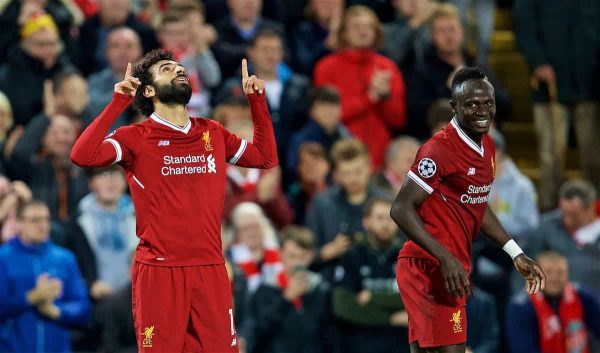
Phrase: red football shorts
pixel 183 309
pixel 435 318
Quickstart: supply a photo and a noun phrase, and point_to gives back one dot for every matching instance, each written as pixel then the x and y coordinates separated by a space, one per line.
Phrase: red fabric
pixel 373 123
pixel 565 332
pixel 284 281
pixel 88 7
pixel 177 179
pixel 183 309
pixel 436 318
pixel 459 188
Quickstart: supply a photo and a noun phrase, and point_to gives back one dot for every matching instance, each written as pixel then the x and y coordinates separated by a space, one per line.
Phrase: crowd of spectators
pixel 354 88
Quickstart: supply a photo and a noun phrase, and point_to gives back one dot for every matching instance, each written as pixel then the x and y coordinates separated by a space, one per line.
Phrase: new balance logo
pixel 164 142
pixel 471 171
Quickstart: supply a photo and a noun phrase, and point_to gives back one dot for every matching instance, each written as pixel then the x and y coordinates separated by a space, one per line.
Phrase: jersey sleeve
pixel 120 140
pixel 235 146
pixel 430 165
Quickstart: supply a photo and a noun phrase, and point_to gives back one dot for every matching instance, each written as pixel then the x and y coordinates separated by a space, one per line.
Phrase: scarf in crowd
pixel 256 273
pixel 565 332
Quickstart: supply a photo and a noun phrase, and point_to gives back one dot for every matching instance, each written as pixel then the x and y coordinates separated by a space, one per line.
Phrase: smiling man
pixel 441 207
pixel 175 168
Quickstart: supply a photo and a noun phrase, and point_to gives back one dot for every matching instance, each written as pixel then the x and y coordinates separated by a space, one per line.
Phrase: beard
pixel 176 93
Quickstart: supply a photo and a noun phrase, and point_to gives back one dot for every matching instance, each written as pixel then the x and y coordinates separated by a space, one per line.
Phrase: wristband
pixel 512 249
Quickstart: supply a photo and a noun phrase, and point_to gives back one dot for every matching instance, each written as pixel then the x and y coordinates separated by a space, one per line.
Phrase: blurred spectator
pixel 574 231
pixel 7 140
pixel 484 11
pixel 561 48
pixel 93 33
pixel 183 32
pixel 383 8
pixel 41 158
pixel 317 36
pixel 262 187
pixel 399 156
pixel 323 127
pixel 370 85
pixel 41 289
pixel 366 296
pixel 232 110
pixel 118 333
pixel 256 249
pixel 312 171
pixel 563 317
pixel 513 196
pixel 483 332
pixel 236 32
pixel 408 36
pixel 291 316
pixel 286 92
pixel 123 46
pixel 439 114
pixel 38 57
pixel 432 79
pixel 14 13
pixel 335 214
pixel 12 195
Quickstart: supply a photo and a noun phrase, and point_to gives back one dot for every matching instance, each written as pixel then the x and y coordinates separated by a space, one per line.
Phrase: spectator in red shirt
pixel 371 86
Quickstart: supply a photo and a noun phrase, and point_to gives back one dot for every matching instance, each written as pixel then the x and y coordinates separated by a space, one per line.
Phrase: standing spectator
pixel 484 11
pixel 432 79
pixel 574 231
pixel 399 156
pixel 93 33
pixel 316 37
pixel 291 316
pixel 286 91
pixel 46 167
pixel 366 296
pixel 561 48
pixel 38 58
pixel 312 170
pixel 236 32
pixel 407 37
pixel 561 318
pixel 335 214
pixel 370 85
pixel 123 45
pixel 323 127
pixel 118 333
pixel 42 293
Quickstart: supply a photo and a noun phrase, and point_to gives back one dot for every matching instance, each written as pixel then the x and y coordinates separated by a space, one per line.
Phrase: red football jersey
pixel 176 176
pixel 458 173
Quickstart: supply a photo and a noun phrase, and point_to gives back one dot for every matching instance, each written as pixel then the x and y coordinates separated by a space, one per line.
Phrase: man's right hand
pixel 298 286
pixel 545 73
pixel 100 290
pixel 129 84
pixel 399 319
pixel 456 280
pixel 336 248
pixel 46 290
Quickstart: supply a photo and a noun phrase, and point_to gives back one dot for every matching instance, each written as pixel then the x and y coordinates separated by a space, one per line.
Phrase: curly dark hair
pixel 142 71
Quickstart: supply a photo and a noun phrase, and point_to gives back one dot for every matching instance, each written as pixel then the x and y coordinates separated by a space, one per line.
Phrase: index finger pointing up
pixel 128 71
pixel 244 70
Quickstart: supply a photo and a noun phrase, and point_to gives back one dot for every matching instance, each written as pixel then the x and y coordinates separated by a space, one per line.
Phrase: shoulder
pixel 61 253
pixel 327 61
pixel 323 198
pixel 385 61
pixel 266 23
pixel 299 80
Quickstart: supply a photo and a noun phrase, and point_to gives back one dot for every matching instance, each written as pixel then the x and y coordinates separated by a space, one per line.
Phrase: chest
pixel 378 272
pixel 25 270
pixel 470 177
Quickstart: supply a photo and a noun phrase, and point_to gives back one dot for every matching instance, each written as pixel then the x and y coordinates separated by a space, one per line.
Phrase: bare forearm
pixel 492 228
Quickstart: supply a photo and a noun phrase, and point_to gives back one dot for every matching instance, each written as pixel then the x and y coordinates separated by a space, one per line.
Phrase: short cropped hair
pixel 142 71
pixel 438 112
pixel 445 10
pixel 266 33
pixel 29 204
pixel 374 200
pixel 312 149
pixel 466 74
pixel 357 10
pixel 347 150
pixel 580 189
pixel 300 236
pixel 324 94
pixel 397 144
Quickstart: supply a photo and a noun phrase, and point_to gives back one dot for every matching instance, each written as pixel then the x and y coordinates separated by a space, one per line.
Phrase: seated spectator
pixel 7 140
pixel 563 317
pixel 513 196
pixel 123 46
pixel 13 194
pixel 399 157
pixel 255 249
pixel 371 86
pixel 432 79
pixel 291 316
pixel 233 109
pixel 439 114
pixel 286 92
pixel 190 42
pixel 316 37
pixel 406 38
pixel 483 332
pixel 366 296
pixel 262 187
pixel 93 33
pixel 45 166
pixel 236 32
pixel 334 215
pixel 323 127
pixel 41 289
pixel 574 231
pixel 38 57
pixel 313 169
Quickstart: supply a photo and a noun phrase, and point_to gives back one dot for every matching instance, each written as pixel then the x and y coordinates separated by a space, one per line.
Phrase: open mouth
pixel 482 122
pixel 182 79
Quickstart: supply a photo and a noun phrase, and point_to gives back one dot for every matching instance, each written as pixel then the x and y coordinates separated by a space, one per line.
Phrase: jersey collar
pixel 164 122
pixel 466 139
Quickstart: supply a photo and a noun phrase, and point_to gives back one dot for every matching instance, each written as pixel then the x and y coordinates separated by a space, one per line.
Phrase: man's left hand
pixel 535 277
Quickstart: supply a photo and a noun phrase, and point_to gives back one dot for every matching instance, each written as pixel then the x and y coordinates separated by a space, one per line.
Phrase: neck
pixel 454 59
pixel 244 23
pixel 357 198
pixel 474 136
pixel 176 113
pixel 108 205
pixel 376 243
pixel 267 75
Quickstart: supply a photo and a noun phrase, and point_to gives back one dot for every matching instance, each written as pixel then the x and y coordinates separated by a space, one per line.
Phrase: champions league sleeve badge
pixel 427 167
